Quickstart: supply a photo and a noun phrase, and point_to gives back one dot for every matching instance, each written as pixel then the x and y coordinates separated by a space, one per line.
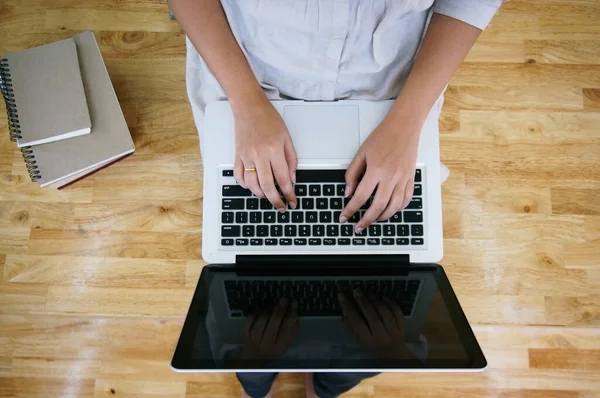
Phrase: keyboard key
pixel 358 241
pixel 413 216
pixel 324 217
pixel 402 241
pixel 418 190
pixel 297 217
pixel 318 230
pixel 271 242
pixel 373 241
pixel 304 230
pixel 241 242
pixel 416 230
pixel 269 217
pixel 283 218
pixel 300 190
pixel 336 216
pixel 252 204
pixel 290 230
pixel 374 230
pixel 362 233
pixel 415 203
pixel 262 230
pixel 232 204
pixel 329 190
pixel 285 242
pixel 389 230
pixel 355 217
pixel 387 241
pixel 402 230
pixel 347 230
pixel 265 204
pixel 418 175
pixel 322 203
pixel 304 176
pixel 241 217
pixel 329 241
pixel 308 203
pixel 248 230
pixel 416 241
pixel 227 242
pixel 231 231
pixel 343 241
pixel 256 242
pixel 311 216
pixel 227 217
pixel 276 230
pixel 346 201
pixel 255 217
pixel 314 241
pixel 300 241
pixel 341 190
pixel 227 173
pixel 235 190
pixel 396 217
pixel 333 230
pixel 336 203
pixel 314 190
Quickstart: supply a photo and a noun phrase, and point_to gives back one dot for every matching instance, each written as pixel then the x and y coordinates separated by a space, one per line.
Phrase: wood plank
pixel 109 301
pixel 35 215
pixel 115 190
pixel 115 244
pixel 591 99
pixel 30 387
pixel 95 271
pixel 82 19
pixel 21 188
pixel 541 337
pixel 573 311
pixel 22 299
pixel 499 199
pixel 165 140
pixel 575 201
pixel 584 253
pixel 499 309
pixel 564 358
pixel 14 240
pixel 497 51
pixel 146 388
pixel 579 52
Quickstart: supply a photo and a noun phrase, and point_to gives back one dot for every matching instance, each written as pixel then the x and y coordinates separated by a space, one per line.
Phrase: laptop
pixel 259 256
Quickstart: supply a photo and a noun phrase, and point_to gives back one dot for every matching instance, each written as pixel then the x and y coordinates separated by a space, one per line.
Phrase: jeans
pixel 327 385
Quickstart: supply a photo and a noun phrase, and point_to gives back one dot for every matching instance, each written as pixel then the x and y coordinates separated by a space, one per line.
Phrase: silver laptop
pixel 326 136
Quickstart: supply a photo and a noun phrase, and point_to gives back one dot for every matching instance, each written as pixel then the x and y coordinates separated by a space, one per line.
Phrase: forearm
pixel 445 45
pixel 206 25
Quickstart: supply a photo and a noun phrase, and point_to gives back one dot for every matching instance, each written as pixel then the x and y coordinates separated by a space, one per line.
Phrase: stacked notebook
pixel 62 110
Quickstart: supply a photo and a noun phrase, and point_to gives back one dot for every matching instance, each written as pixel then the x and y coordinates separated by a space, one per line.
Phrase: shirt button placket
pixel 336 44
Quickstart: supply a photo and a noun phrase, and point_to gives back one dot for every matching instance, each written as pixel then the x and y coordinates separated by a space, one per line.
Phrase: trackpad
pixel 323 132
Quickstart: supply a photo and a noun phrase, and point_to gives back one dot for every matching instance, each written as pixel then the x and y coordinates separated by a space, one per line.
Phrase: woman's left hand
pixel 389 156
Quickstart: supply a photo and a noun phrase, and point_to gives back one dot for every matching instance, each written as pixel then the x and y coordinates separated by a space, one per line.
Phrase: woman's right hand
pixel 263 142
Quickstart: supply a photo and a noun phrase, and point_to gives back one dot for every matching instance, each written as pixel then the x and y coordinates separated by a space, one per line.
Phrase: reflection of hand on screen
pixel 378 325
pixel 267 335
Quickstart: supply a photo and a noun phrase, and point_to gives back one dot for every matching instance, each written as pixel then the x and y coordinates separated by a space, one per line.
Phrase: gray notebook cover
pixel 62 161
pixel 48 93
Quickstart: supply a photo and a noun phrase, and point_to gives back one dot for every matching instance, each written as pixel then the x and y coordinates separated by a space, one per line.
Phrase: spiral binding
pixel 31 163
pixel 14 127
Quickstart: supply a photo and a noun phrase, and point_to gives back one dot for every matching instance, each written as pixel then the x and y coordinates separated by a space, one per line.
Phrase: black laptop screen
pixel 360 318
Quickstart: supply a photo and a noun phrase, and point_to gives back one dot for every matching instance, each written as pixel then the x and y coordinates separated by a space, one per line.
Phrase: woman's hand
pixel 262 141
pixel 389 156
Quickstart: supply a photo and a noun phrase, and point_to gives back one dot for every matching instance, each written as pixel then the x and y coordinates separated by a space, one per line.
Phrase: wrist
pixel 410 113
pixel 246 102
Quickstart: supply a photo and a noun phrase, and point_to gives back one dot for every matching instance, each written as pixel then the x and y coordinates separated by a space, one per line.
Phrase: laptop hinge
pixel 323 260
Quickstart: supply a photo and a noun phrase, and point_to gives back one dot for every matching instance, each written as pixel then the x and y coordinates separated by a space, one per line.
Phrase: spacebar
pixel 320 176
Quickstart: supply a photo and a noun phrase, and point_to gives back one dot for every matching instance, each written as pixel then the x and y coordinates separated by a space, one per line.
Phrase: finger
pixel 352 318
pixel 272 328
pixel 251 179
pixel 289 325
pixel 355 169
pixel 267 184
pixel 395 203
pixel 282 176
pixel 258 329
pixel 361 195
pixel 238 172
pixel 380 202
pixel 397 311
pixel 386 314
pixel 248 326
pixel 408 192
pixel 292 159
pixel 370 313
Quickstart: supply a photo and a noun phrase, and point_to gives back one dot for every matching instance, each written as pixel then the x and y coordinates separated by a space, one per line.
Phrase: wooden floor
pixel 95 280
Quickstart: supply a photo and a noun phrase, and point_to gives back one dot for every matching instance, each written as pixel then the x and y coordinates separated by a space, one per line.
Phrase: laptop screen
pixel 326 318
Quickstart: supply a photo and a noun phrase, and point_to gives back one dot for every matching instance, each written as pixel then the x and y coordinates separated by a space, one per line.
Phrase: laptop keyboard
pixel 314 297
pixel 248 221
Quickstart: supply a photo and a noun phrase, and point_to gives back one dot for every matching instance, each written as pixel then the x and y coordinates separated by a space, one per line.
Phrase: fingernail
pixel 282 209
pixel 293 205
pixel 357 293
pixel 343 219
pixel 294 177
pixel 358 230
pixel 347 191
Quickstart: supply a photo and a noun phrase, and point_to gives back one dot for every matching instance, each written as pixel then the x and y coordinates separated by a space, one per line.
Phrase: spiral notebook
pixel 59 163
pixel 43 93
